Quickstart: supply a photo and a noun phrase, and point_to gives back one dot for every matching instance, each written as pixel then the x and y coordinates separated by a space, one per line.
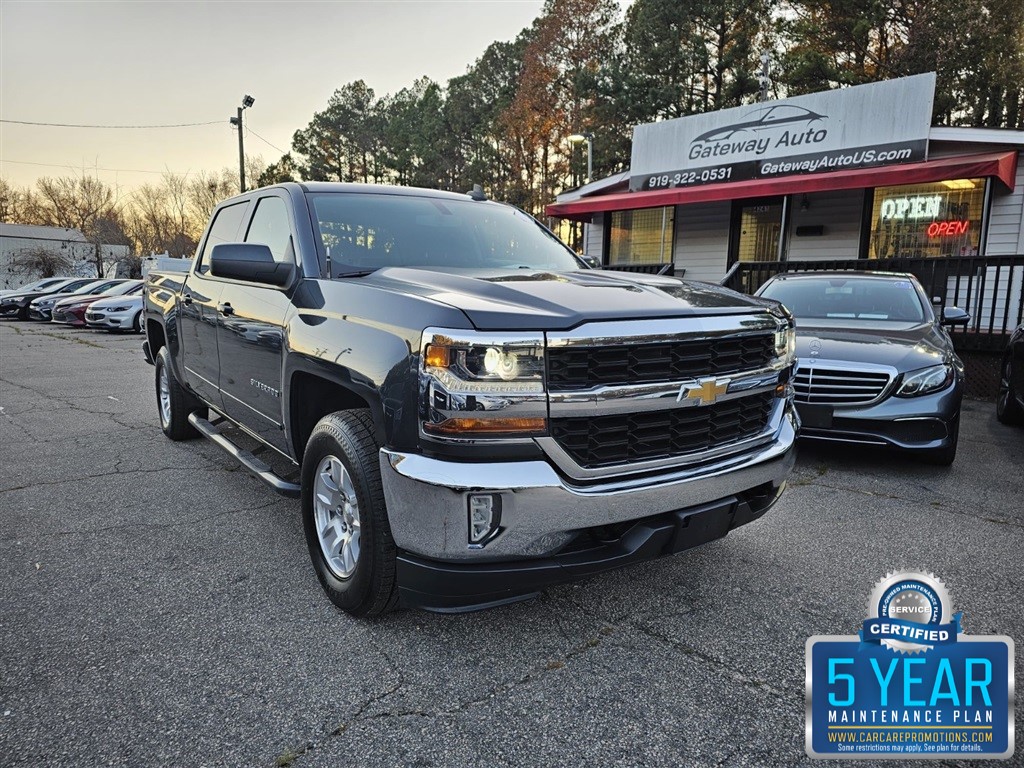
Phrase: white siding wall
pixel 593 237
pixel 702 240
pixel 839 213
pixel 1006 218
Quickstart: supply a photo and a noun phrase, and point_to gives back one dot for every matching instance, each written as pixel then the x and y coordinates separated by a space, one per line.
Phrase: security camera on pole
pixel 247 102
pixel 763 80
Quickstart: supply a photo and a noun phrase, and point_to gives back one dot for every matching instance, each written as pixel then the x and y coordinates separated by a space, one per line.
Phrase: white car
pixel 118 313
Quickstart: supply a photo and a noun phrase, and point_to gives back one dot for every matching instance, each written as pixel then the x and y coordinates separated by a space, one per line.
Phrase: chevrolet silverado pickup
pixel 467 411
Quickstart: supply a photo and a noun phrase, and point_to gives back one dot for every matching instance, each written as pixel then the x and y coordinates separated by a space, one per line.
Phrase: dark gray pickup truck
pixel 468 412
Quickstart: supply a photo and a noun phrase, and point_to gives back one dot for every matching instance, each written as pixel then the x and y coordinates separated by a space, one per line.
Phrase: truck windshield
pixel 363 232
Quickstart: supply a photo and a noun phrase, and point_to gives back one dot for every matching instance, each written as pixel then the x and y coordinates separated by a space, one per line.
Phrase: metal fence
pixel 667 268
pixel 990 288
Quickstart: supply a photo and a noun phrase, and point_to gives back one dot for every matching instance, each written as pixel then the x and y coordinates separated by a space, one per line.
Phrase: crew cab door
pixel 197 308
pixel 251 334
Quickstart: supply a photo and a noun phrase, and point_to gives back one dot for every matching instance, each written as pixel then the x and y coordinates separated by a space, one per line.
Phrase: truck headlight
pixel 785 343
pixel 482 384
pixel 926 380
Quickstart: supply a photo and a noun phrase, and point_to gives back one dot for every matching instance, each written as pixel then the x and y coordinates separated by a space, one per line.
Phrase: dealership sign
pixel 867 125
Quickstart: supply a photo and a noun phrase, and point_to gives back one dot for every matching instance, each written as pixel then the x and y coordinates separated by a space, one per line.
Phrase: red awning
pixel 1001 165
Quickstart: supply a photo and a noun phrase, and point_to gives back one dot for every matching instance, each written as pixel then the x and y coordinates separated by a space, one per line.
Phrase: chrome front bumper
pixel 540 511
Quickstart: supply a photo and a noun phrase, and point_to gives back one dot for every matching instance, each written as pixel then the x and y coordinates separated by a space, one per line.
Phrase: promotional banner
pixel 875 124
pixel 910 684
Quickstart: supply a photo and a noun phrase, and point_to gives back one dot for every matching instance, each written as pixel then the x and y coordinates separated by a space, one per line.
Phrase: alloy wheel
pixel 165 397
pixel 336 516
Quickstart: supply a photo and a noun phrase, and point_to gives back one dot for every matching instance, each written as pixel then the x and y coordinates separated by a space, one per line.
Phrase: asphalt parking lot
pixel 157 606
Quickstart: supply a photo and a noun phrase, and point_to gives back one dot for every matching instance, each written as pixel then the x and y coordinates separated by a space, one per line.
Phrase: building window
pixel 927 220
pixel 642 236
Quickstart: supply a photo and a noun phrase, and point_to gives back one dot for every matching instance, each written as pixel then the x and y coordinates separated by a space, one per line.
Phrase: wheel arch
pixel 315 390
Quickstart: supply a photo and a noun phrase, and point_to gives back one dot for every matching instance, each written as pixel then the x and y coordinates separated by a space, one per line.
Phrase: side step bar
pixel 245 458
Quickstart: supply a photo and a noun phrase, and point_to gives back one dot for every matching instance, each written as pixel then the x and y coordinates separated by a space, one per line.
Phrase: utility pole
pixel 763 79
pixel 588 138
pixel 248 101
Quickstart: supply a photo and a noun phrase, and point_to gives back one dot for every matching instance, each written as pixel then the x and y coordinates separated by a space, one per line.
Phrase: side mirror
pixel 252 262
pixel 936 301
pixel 594 262
pixel 955 316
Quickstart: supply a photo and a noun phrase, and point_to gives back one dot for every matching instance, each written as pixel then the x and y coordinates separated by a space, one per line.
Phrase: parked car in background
pixel 17 304
pixel 38 285
pixel 1010 400
pixel 42 308
pixel 875 366
pixel 71 311
pixel 117 313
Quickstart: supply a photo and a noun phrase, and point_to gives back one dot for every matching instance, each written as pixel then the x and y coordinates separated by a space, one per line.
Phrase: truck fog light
pixel 484 516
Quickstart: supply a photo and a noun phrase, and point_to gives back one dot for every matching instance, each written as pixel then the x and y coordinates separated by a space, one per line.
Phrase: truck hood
pixel 904 346
pixel 537 300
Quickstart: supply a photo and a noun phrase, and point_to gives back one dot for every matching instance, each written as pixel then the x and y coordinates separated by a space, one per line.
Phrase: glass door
pixel 757 228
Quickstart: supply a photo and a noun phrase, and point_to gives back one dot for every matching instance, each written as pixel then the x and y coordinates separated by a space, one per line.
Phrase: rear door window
pixel 270 226
pixel 223 230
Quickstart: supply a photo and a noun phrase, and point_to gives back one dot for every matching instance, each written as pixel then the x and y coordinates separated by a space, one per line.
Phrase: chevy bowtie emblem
pixel 705 391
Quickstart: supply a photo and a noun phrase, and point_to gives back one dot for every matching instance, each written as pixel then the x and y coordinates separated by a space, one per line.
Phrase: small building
pixel 75 254
pixel 855 178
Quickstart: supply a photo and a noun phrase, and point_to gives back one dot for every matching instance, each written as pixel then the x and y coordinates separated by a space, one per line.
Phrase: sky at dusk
pixel 143 63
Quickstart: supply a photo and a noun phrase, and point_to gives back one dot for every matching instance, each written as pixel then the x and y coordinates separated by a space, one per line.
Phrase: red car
pixel 71 311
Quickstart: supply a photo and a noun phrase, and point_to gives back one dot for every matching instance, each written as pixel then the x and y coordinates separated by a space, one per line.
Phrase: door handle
pixel 186 299
pixel 225 308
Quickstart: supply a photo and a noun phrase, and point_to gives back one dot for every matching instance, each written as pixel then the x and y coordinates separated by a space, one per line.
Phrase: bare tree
pixel 44 262
pixel 15 204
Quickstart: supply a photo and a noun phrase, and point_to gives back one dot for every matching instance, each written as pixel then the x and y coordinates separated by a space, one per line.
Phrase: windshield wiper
pixel 356 273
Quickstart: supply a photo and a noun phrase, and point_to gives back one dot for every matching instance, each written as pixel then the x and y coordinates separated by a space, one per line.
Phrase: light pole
pixel 247 102
pixel 578 138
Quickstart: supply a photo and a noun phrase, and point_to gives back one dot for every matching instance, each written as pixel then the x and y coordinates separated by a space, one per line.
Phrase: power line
pixel 71 166
pixel 274 146
pixel 81 125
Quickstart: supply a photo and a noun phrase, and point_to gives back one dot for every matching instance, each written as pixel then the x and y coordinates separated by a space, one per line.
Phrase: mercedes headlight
pixel 482 384
pixel 926 380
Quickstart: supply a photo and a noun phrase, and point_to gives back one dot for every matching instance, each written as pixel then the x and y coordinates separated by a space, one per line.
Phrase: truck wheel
pixel 173 403
pixel 344 515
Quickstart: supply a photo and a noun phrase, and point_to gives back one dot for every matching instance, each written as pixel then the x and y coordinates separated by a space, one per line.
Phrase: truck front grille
pixel 576 368
pixel 823 385
pixel 619 439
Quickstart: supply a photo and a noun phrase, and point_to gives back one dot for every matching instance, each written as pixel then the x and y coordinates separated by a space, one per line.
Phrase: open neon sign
pixel 947 228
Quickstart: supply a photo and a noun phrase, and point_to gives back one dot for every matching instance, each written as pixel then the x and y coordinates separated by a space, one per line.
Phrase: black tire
pixel 1008 410
pixel 371 588
pixel 944 457
pixel 137 322
pixel 181 402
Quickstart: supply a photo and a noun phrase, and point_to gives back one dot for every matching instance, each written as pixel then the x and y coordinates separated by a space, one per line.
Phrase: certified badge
pixel 910 612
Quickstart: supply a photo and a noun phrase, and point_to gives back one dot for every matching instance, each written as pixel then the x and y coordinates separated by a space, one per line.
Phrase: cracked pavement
pixel 157 606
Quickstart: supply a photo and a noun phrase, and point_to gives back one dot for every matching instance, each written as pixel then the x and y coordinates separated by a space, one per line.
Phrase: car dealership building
pixel 855 178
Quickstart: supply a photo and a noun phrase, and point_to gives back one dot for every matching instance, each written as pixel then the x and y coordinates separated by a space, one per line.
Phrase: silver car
pixel 118 313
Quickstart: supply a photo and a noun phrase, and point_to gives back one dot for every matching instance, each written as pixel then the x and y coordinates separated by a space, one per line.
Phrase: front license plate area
pixel 815 416
pixel 694 528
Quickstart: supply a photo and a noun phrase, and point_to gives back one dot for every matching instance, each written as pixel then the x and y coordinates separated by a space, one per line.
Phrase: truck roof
pixel 363 189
